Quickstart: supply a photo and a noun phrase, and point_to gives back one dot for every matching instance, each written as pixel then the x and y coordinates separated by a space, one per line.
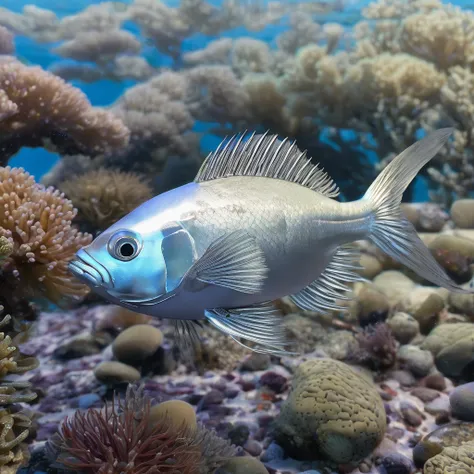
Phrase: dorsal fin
pixel 265 155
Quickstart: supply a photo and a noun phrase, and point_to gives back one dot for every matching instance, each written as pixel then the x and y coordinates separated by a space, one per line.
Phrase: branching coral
pixel 36 221
pixel 102 197
pixel 119 438
pixel 14 424
pixel 37 107
pixel 6 41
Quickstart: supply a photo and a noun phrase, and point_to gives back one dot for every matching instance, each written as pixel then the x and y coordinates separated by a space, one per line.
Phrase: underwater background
pixel 104 105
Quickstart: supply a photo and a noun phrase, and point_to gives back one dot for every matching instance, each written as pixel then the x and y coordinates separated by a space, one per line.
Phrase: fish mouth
pixel 86 268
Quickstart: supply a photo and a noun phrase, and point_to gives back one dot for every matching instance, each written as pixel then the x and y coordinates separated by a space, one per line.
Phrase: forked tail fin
pixel 389 229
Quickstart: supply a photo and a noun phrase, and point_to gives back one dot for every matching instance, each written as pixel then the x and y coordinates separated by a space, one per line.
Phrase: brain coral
pixel 454 459
pixel 331 411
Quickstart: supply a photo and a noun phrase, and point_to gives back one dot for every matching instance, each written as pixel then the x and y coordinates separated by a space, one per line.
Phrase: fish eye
pixel 124 246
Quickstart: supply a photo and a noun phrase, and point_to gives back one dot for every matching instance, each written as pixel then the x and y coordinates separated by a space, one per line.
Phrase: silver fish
pixel 259 222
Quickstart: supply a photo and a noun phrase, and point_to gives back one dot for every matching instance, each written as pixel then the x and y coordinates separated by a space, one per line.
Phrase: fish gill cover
pixel 129 97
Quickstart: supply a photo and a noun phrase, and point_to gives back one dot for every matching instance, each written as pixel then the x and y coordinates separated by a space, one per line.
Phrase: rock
pixel 78 347
pixel 455 255
pixel 256 361
pixel 137 343
pixel 435 381
pixel 454 360
pixel 111 372
pixel 462 213
pixel 87 400
pixel 117 318
pixel 239 435
pixel 427 313
pixel 305 333
pixel 462 303
pixel 273 381
pixel 396 463
pixel 452 434
pixel 242 465
pixel 213 397
pixel 426 395
pixel 371 266
pixel 462 402
pixel 273 452
pixel 372 305
pixel 177 412
pixel 454 459
pixel 410 414
pixel 439 406
pixel 453 347
pixel 253 447
pixel 404 327
pixel 425 216
pixel 403 377
pixel 331 410
pixel 394 284
pixel 418 361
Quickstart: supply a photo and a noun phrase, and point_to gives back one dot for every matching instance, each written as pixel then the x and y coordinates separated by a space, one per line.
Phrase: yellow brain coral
pixel 104 196
pixel 36 221
pixel 453 459
pixel 332 410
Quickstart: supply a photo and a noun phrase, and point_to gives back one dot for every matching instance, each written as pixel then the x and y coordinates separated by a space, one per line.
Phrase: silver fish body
pixel 253 228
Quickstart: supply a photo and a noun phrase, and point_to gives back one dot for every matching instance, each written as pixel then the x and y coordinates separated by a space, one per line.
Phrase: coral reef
pixel 104 196
pixel 37 223
pixel 15 424
pixel 38 109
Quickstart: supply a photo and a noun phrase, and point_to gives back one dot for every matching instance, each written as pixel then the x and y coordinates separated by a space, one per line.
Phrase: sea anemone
pixel 377 346
pixel 37 224
pixel 120 439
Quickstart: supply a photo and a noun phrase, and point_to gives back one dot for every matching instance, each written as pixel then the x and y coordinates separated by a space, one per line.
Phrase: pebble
pixel 404 327
pixel 86 401
pixel 426 395
pixel 214 397
pixel 435 381
pixel 111 372
pixel 403 377
pixel 411 415
pixel 254 448
pixel 273 381
pixel 239 435
pixel 255 362
pixel 273 452
pixel 462 402
pixel 418 361
pixel 137 343
pixel 396 463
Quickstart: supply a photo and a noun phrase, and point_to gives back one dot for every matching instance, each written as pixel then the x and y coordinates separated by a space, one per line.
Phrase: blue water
pixel 102 93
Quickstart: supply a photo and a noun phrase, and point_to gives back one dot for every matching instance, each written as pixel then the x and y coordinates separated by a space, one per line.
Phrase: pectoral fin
pixel 234 261
pixel 179 255
pixel 261 324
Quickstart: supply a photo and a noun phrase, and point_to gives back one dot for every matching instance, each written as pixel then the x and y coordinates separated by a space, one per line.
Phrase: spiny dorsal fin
pixel 266 155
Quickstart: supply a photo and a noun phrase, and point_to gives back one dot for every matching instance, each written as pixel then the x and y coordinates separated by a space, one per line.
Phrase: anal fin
pixel 321 295
pixel 261 324
pixel 233 261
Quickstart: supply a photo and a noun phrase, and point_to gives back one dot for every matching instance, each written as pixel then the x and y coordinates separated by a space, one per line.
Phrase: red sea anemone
pixel 119 440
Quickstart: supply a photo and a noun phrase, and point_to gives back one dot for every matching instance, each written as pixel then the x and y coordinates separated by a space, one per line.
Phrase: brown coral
pixel 14 425
pixel 37 222
pixel 104 196
pixel 6 41
pixel 38 108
